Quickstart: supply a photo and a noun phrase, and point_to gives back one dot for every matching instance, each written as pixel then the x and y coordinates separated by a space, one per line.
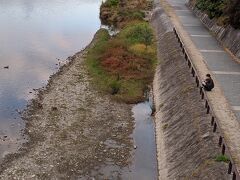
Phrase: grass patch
pixel 123 65
pixel 222 158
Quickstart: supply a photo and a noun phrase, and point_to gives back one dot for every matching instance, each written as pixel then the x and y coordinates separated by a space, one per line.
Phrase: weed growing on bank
pixel 222 158
pixel 124 65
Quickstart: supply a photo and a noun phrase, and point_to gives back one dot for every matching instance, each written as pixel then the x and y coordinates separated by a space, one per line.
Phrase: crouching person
pixel 208 83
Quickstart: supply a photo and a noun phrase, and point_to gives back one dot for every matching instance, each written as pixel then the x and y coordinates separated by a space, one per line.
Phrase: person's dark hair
pixel 208 75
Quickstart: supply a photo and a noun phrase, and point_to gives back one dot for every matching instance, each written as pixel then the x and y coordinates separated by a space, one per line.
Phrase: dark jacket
pixel 209 84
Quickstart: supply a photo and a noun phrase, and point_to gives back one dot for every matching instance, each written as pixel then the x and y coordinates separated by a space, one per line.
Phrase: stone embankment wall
pixel 185 143
pixel 228 36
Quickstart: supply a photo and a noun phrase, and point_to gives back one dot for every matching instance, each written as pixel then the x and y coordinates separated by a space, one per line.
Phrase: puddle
pixel 144 163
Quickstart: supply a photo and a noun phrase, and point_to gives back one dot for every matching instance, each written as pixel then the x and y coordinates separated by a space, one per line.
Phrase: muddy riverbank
pixel 74 130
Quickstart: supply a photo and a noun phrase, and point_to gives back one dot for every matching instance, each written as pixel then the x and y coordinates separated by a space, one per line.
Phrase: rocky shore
pixel 75 132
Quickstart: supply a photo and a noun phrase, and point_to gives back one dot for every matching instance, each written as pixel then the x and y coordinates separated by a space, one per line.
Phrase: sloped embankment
pixel 186 145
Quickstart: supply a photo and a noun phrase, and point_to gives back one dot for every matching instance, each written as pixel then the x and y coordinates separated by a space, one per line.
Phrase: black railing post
pixel 230 167
pixel 223 149
pixel 208 109
pixel 220 141
pixel 234 176
pixel 214 127
pixel 212 121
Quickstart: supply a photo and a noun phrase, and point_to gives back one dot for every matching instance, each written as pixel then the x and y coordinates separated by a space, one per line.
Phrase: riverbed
pixel 36 37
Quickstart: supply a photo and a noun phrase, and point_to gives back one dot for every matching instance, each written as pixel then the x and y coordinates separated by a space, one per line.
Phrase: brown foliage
pixel 119 61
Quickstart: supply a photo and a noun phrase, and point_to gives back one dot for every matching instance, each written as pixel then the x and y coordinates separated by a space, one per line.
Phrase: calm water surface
pixel 34 34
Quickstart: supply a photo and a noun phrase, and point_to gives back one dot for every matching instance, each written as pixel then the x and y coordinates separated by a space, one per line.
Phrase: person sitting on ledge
pixel 208 83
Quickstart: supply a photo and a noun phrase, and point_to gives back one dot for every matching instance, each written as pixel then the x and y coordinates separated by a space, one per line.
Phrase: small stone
pixel 135 147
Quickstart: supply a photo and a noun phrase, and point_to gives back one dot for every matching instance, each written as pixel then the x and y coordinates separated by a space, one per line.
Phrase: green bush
pixel 222 158
pixel 111 3
pixel 211 7
pixel 226 11
pixel 138 33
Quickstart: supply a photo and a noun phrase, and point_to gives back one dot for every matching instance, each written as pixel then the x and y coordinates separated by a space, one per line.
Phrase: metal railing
pixel 232 170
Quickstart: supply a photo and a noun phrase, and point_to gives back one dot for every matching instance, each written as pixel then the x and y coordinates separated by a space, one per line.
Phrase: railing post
pixel 230 167
pixel 202 95
pixel 214 127
pixel 212 121
pixel 197 81
pixel 186 56
pixel 234 176
pixel 208 109
pixel 223 149
pixel 220 141
pixel 193 72
pixel 206 104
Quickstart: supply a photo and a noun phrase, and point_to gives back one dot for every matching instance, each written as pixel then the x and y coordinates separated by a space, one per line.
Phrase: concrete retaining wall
pixel 228 36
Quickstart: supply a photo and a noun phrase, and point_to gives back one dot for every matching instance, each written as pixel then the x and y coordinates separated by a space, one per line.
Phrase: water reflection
pixel 33 35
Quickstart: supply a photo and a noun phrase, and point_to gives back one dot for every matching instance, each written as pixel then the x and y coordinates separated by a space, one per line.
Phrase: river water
pixel 35 36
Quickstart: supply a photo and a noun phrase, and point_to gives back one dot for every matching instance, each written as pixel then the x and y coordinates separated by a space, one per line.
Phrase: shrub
pixel 213 8
pixel 226 11
pixel 139 33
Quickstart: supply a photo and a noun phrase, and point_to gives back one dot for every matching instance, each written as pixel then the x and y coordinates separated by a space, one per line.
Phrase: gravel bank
pixel 75 132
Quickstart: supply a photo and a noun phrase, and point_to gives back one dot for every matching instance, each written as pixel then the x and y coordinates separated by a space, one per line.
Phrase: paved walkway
pixel 222 65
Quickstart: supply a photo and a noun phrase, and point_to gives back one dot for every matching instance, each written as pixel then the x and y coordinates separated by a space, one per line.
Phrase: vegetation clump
pixel 120 12
pixel 111 3
pixel 222 158
pixel 225 11
pixel 124 65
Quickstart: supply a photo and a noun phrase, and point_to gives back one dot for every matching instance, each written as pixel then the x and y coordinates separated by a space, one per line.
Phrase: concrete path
pixel 222 65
